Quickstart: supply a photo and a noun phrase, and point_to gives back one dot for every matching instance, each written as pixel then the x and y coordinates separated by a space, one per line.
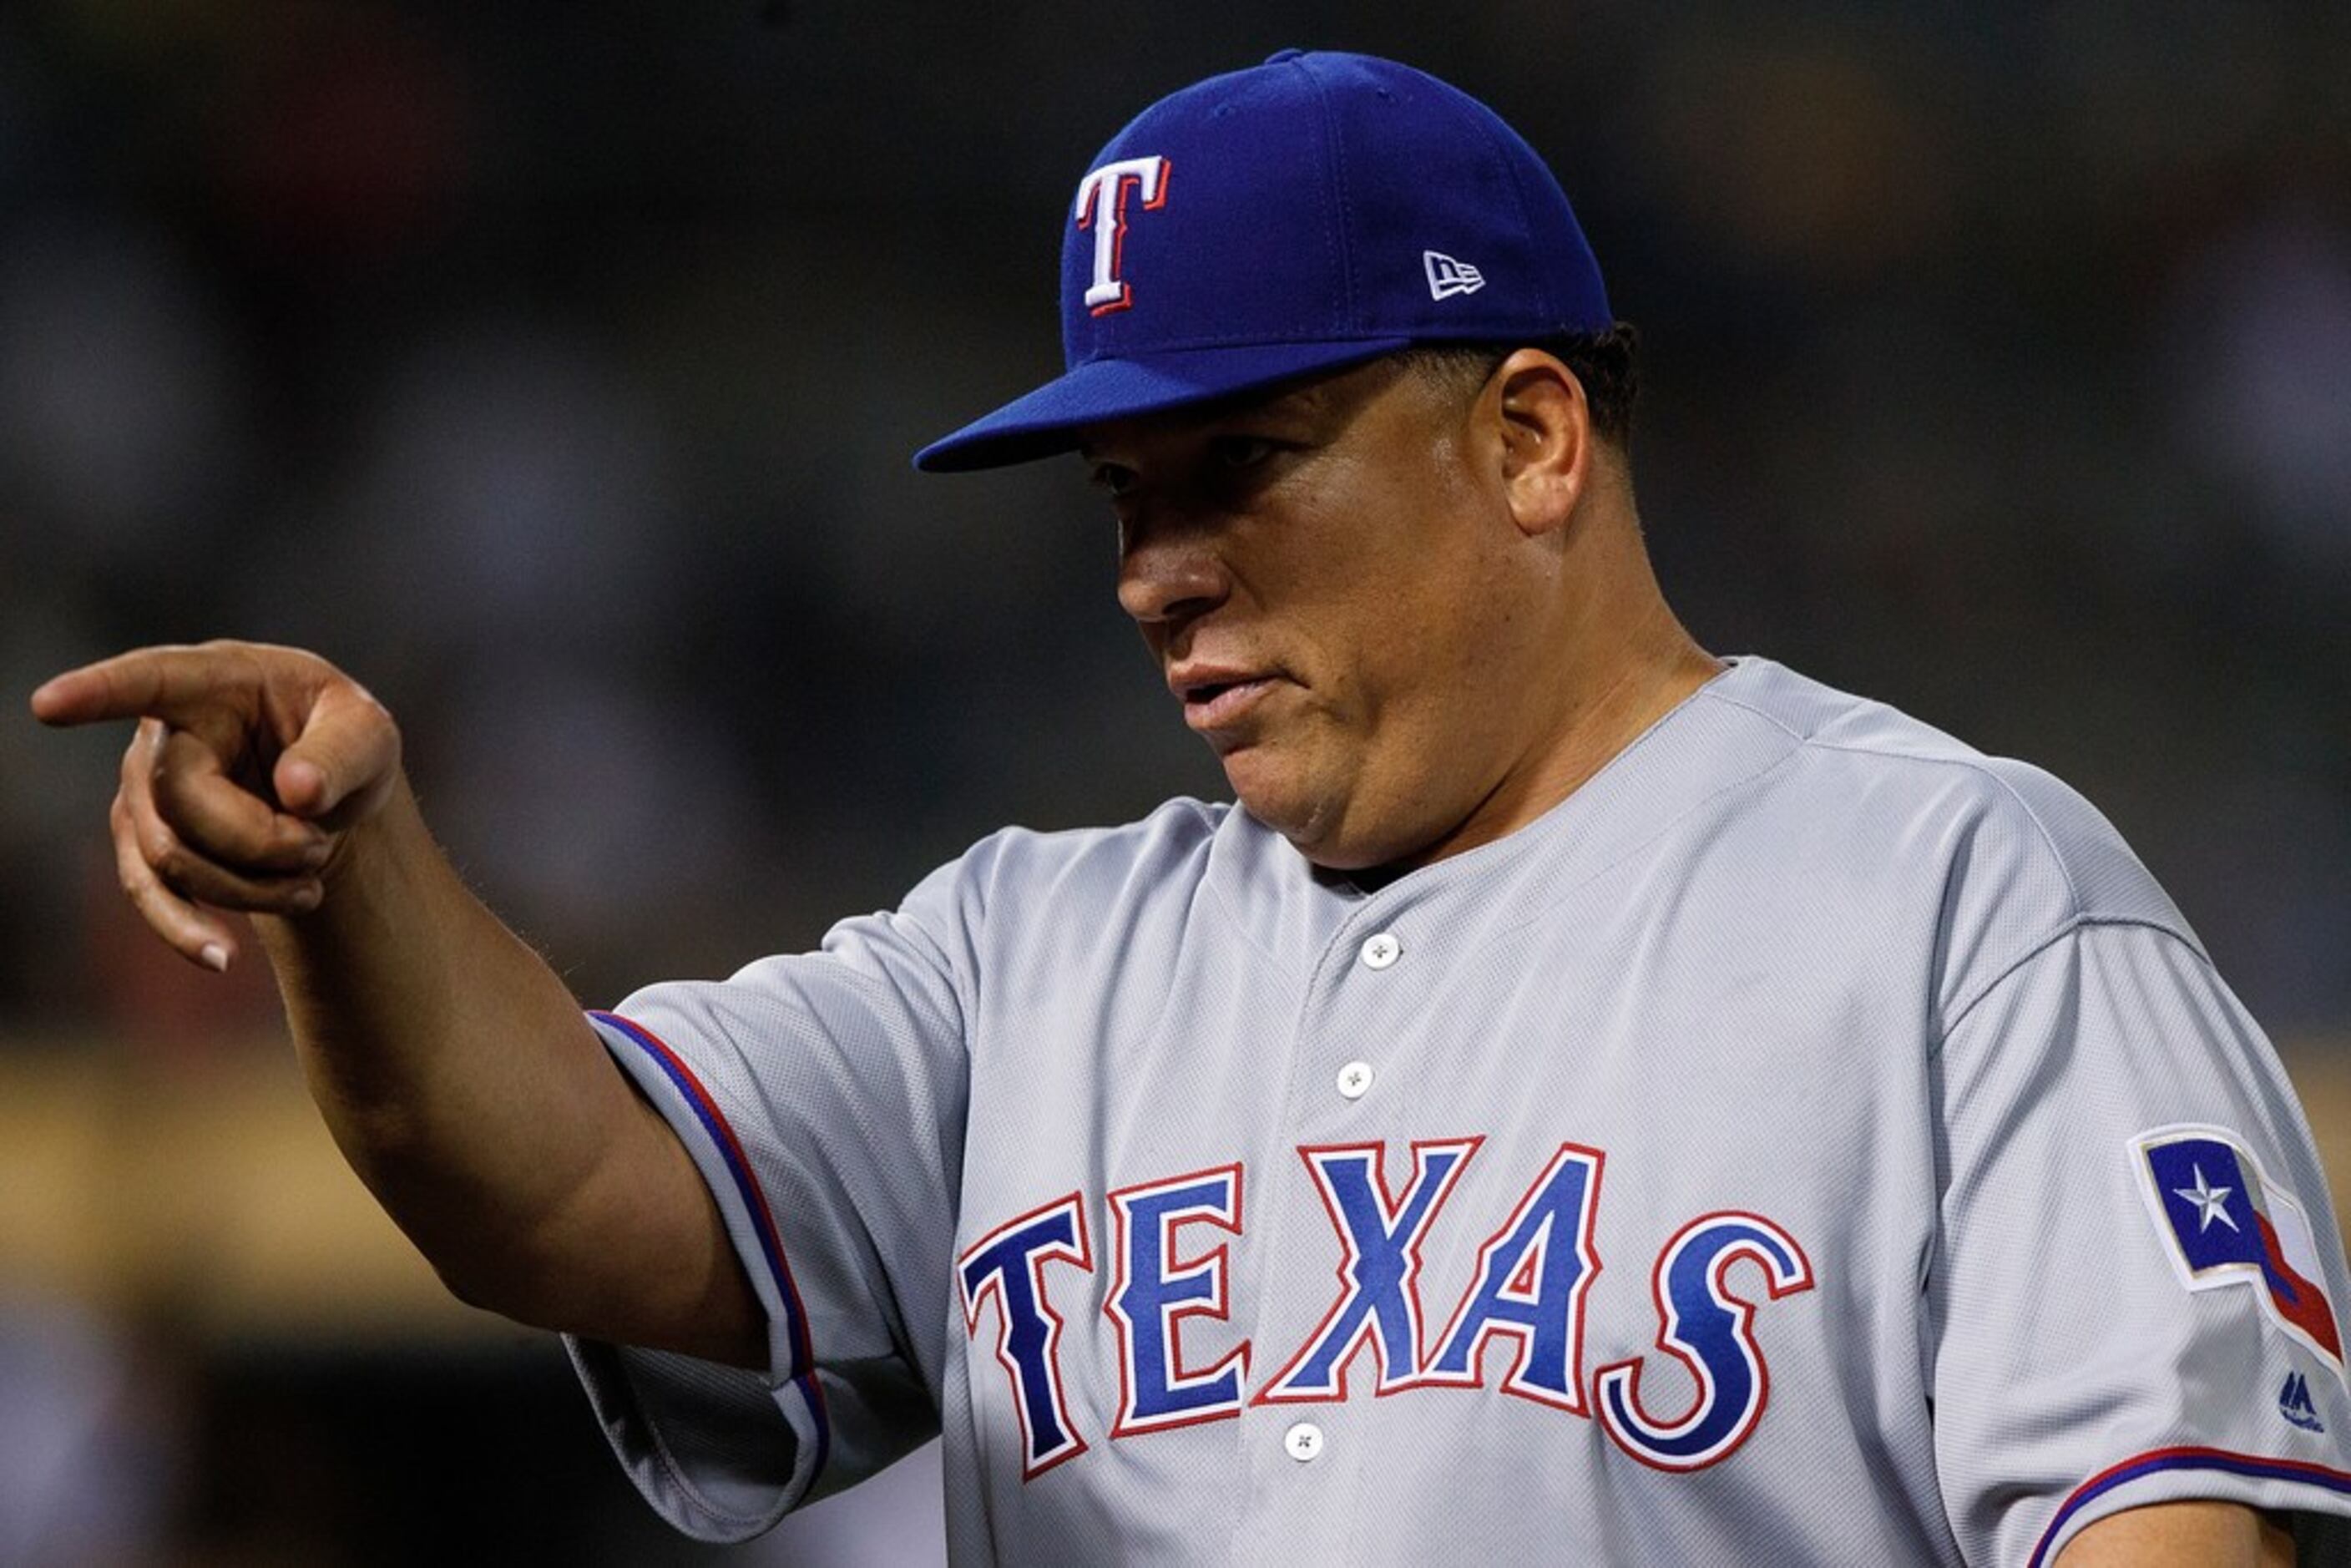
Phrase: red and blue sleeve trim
pixel 2213 1460
pixel 755 1201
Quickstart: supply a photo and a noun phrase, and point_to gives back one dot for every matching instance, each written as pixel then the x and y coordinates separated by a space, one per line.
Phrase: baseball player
pixel 1586 1100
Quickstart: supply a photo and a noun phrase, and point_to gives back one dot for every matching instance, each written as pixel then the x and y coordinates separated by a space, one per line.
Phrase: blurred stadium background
pixel 554 368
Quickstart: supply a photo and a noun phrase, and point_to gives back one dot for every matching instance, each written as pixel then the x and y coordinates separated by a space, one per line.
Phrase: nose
pixel 1168 572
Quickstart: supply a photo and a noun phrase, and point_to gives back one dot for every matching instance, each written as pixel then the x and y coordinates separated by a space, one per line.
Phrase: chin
pixel 1335 822
pixel 1273 789
pixel 1309 813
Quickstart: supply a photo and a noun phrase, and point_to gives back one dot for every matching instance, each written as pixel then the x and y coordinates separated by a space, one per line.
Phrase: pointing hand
pixel 248 768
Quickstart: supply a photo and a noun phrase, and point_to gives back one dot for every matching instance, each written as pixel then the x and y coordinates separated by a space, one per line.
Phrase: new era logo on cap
pixel 1447 278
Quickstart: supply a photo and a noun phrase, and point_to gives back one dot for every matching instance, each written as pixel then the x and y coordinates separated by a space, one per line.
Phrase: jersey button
pixel 1303 1442
pixel 1355 1079
pixel 1380 949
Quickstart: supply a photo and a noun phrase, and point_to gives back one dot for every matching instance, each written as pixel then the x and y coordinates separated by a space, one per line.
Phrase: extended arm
pixel 453 1066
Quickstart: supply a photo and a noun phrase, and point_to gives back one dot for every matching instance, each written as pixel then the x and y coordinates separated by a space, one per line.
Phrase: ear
pixel 1545 426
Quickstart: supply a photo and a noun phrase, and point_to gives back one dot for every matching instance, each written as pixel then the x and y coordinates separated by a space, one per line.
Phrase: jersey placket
pixel 1306 1453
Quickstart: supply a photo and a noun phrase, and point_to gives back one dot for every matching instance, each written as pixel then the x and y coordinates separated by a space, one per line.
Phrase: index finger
pixel 173 684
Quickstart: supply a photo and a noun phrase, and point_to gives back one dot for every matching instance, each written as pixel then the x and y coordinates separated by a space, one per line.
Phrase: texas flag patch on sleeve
pixel 2225 1224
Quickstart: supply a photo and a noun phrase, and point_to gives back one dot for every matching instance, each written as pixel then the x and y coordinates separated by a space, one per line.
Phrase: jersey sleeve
pixel 822 1097
pixel 2134 1294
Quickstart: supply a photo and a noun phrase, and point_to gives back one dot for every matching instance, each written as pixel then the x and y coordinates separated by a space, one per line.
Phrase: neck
pixel 1621 663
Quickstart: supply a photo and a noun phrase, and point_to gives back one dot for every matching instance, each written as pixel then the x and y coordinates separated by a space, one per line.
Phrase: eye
pixel 1111 479
pixel 1242 451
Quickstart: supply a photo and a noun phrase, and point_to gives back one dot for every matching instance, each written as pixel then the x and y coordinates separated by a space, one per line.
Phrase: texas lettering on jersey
pixel 1526 1292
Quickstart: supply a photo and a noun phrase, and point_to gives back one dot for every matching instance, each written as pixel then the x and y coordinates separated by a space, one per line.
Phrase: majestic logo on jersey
pixel 1447 278
pixel 2225 1224
pixel 2293 1404
pixel 1101 209
pixel 1527 1290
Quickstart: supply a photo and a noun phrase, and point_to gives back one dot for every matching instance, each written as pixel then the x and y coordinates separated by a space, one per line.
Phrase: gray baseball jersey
pixel 1813 1141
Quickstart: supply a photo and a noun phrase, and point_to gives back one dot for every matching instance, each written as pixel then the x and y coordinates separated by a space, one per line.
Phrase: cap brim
pixel 1050 419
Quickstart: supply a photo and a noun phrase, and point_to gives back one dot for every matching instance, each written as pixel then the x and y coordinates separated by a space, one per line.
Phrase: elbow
pixel 510 1292
pixel 492 1277
pixel 470 1287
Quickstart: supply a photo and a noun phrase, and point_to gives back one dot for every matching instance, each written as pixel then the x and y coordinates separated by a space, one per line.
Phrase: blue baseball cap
pixel 1315 212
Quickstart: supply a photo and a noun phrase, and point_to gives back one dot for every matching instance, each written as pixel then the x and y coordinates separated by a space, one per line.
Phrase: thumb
pixel 341 766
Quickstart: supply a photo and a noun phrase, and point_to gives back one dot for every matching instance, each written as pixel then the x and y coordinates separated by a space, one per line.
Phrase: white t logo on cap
pixel 1102 207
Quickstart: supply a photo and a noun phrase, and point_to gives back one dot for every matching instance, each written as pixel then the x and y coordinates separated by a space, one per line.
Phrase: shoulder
pixel 1018 890
pixel 2017 857
pixel 1180 832
pixel 1016 868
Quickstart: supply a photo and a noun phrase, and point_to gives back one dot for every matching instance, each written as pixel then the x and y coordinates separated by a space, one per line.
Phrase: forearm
pixel 461 1080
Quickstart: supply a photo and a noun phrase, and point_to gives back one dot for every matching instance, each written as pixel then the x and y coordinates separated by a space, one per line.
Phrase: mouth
pixel 1214 705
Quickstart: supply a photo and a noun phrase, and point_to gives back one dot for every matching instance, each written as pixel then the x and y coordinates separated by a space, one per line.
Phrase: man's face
pixel 1332 582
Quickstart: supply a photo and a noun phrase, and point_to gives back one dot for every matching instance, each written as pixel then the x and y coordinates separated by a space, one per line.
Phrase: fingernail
pixel 309 896
pixel 215 957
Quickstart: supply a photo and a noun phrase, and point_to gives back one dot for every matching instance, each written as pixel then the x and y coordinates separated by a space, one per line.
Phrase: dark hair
pixel 1605 363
